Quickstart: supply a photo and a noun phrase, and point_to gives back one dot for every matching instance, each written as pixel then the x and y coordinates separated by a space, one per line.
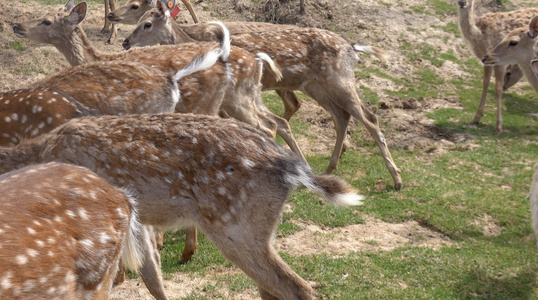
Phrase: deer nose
pixel 110 16
pixel 125 44
pixel 484 59
pixel 16 27
pixel 462 3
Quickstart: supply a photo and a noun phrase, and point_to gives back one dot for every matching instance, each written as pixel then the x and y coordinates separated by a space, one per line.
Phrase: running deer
pixel 26 113
pixel 517 48
pixel 483 33
pixel 317 62
pixel 235 79
pixel 219 175
pixel 63 231
pixel 533 195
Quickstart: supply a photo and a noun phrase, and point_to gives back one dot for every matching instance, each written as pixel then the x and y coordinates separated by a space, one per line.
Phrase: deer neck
pixel 471 32
pixel 178 35
pixel 525 65
pixel 24 154
pixel 78 49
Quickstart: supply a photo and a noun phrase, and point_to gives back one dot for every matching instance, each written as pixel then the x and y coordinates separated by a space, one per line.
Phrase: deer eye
pixel 513 43
pixel 46 22
pixel 134 7
pixel 147 25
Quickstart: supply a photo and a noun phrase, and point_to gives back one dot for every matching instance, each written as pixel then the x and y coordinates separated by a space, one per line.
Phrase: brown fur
pixel 63 230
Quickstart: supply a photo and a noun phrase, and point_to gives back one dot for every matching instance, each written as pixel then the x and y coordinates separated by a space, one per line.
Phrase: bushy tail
pixel 379 53
pixel 131 255
pixel 333 189
pixel 224 37
pixel 269 65
pixel 200 63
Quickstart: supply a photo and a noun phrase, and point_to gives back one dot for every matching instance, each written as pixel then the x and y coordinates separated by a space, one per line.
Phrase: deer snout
pixel 126 44
pixel 113 18
pixel 17 29
pixel 488 60
pixel 462 3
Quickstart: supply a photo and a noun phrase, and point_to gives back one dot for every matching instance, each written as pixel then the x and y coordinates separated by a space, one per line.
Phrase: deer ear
pixel 164 13
pixel 533 27
pixel 78 14
pixel 69 5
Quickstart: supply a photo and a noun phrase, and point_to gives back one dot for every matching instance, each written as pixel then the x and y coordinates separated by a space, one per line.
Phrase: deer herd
pixel 98 159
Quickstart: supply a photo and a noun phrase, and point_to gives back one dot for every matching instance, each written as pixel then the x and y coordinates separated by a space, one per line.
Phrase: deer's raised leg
pixel 291 103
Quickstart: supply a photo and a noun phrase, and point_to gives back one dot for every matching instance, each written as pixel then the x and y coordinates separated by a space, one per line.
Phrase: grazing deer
pixel 533 195
pixel 236 79
pixel 26 113
pixel 317 62
pixel 63 231
pixel 483 33
pixel 219 175
pixel 517 48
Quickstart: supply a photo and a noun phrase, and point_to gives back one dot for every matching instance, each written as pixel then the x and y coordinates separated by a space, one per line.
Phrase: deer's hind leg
pixel 245 239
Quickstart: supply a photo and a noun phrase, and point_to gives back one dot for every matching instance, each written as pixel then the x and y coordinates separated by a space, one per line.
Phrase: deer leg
pixel 512 76
pixel 291 103
pixel 247 244
pixel 107 22
pixel 151 267
pixel 120 275
pixel 191 10
pixel 191 244
pixel 499 78
pixel 485 84
pixel 113 29
pixel 331 97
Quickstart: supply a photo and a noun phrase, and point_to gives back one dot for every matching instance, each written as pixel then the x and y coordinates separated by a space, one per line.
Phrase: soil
pixel 387 24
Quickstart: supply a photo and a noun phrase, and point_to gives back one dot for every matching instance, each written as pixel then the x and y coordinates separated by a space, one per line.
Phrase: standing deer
pixel 219 175
pixel 317 62
pixel 517 48
pixel 236 79
pixel 27 113
pixel 63 231
pixel 483 33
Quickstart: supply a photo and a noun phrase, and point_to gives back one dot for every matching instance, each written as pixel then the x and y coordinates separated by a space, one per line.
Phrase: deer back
pixel 63 229
pixel 27 113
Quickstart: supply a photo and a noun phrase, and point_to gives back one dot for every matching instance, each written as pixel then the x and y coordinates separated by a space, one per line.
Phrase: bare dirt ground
pixel 368 22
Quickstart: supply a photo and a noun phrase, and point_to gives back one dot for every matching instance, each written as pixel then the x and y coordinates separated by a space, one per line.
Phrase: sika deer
pixel 236 79
pixel 485 32
pixel 219 175
pixel 26 113
pixel 517 48
pixel 317 62
pixel 63 231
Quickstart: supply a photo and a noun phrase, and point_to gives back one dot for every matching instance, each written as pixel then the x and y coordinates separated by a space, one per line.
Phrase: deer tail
pixel 378 52
pixel 198 64
pixel 225 41
pixel 132 253
pixel 269 65
pixel 333 189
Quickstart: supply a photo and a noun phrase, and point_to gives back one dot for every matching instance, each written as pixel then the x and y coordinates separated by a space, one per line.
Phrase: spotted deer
pixel 27 113
pixel 133 10
pixel 314 61
pixel 219 175
pixel 63 231
pixel 517 48
pixel 483 33
pixel 235 79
